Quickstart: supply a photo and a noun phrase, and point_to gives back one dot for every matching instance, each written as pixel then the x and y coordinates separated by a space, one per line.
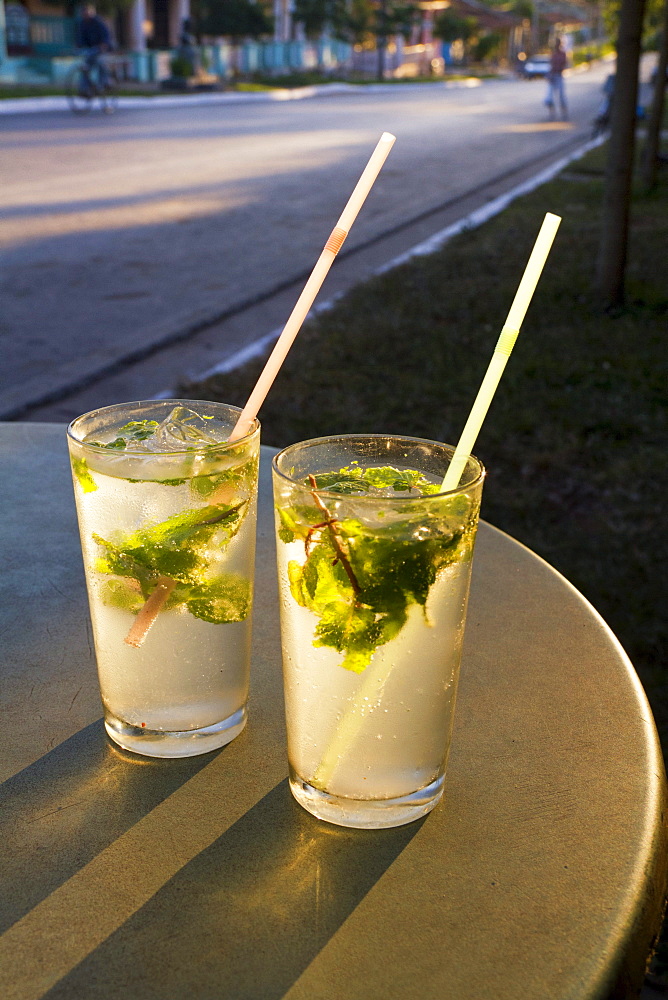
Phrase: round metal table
pixel 540 877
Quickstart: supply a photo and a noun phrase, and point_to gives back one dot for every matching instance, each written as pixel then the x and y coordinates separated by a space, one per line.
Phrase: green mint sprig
pixel 177 548
pixel 393 566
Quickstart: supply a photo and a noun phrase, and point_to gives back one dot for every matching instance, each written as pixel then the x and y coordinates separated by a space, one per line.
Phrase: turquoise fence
pixel 272 58
pixel 282 57
pixel 53 43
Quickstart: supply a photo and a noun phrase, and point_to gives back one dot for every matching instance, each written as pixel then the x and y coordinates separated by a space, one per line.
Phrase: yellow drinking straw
pixel 312 286
pixel 504 346
pixel 376 674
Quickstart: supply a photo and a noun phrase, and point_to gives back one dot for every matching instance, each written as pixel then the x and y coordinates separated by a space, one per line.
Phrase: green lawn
pixel 575 441
pixel 11 91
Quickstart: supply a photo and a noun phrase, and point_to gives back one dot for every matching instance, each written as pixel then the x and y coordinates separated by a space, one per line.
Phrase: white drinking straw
pixel 504 346
pixel 312 286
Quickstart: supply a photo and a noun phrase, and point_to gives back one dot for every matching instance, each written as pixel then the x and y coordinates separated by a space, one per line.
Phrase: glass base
pixel 159 743
pixel 367 814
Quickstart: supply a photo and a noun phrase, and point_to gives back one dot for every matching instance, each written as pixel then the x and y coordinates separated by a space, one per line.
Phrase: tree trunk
pixel 381 46
pixel 619 168
pixel 381 38
pixel 651 150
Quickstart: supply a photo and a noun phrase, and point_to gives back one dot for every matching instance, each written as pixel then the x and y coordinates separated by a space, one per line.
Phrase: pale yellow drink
pixel 374 581
pixel 167 522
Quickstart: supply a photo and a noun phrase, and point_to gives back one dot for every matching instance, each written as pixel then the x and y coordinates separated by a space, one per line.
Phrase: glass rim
pixel 360 497
pixel 102 449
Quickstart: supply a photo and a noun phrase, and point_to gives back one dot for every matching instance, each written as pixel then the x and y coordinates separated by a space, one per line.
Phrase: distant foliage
pixel 318 16
pixel 397 18
pixel 523 8
pixel 651 22
pixel 181 68
pixel 487 46
pixel 357 21
pixel 360 21
pixel 107 8
pixel 451 27
pixel 234 19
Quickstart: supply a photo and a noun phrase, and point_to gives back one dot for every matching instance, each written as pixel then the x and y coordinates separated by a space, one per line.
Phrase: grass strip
pixel 575 440
pixel 259 83
pixel 11 91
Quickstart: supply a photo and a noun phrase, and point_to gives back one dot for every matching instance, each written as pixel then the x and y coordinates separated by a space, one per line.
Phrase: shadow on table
pixel 59 813
pixel 245 917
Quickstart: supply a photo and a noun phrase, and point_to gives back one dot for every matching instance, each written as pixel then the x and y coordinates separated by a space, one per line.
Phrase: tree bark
pixel 381 46
pixel 650 157
pixel 619 168
pixel 381 38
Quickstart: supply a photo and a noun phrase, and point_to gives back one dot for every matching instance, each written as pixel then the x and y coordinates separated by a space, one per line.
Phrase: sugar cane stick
pixel 150 611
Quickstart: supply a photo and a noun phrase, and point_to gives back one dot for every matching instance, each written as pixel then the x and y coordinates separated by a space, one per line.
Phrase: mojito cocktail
pixel 167 512
pixel 374 565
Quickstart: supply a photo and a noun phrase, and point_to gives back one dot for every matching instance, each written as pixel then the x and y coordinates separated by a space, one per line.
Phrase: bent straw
pixel 377 674
pixel 150 611
pixel 504 346
pixel 312 286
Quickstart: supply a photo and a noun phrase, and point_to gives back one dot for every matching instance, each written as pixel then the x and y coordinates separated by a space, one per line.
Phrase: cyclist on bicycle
pixel 94 36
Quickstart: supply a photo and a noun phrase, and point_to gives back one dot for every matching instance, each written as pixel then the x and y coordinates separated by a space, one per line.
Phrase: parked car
pixel 536 67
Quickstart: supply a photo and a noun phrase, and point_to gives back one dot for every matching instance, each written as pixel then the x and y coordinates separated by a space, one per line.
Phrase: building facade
pixel 36 37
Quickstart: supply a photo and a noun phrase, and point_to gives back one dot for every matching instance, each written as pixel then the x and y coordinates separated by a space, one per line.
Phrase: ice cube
pixel 178 447
pixel 182 429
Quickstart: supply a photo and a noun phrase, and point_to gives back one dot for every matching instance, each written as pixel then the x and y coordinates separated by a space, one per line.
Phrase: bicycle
pixel 84 86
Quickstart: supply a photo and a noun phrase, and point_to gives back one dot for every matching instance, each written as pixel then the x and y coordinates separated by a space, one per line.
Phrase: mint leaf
pixel 116 561
pixel 130 433
pixel 238 478
pixel 357 630
pixel 400 480
pixel 295 522
pixel 83 475
pixel 189 526
pixel 227 599
pixel 346 481
pixel 353 479
pixel 351 630
pixel 121 594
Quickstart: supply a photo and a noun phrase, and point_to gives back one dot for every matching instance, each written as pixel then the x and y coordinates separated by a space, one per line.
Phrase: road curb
pixel 37 105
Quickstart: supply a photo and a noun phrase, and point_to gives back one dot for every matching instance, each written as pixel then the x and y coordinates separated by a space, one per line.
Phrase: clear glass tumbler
pixel 167 513
pixel 374 565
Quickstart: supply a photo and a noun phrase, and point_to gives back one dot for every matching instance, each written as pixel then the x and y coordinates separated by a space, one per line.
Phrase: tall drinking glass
pixel 167 512
pixel 374 564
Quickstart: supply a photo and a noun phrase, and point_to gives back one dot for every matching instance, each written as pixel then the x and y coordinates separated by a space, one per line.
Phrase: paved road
pixel 119 233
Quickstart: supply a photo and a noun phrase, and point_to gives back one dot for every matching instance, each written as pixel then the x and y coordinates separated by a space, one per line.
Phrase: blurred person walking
pixel 555 82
